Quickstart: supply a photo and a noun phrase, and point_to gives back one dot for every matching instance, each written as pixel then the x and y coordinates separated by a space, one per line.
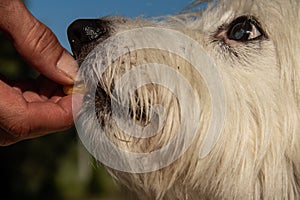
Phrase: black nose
pixel 85 31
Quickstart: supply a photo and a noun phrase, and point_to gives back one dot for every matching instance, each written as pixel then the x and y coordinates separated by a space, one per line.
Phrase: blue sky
pixel 58 14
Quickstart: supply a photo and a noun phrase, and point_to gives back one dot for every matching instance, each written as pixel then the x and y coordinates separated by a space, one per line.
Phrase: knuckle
pixel 18 130
pixel 16 125
pixel 41 40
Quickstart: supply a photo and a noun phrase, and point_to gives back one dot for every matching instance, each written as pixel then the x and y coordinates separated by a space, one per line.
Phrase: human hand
pixel 33 108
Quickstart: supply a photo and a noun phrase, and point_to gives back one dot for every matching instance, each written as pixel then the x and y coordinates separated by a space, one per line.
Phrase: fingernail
pixel 68 65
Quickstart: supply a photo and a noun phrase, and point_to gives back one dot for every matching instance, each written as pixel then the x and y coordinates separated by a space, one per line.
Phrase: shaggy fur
pixel 258 153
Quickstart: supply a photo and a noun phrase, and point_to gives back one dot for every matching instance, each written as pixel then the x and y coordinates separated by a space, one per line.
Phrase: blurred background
pixel 57 166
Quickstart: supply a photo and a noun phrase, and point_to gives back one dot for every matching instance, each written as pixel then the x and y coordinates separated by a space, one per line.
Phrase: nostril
pixel 85 31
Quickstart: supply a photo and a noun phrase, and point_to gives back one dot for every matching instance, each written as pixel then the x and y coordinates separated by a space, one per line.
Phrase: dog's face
pixel 254 45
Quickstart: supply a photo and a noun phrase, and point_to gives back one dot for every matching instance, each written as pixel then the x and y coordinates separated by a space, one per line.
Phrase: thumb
pixel 36 43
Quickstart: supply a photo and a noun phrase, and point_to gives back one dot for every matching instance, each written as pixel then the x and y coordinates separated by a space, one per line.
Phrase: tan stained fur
pixel 258 153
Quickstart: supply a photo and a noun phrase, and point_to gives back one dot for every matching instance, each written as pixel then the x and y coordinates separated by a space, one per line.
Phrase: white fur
pixel 258 153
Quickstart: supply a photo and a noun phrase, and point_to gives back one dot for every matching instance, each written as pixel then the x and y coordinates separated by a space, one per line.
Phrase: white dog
pixel 217 90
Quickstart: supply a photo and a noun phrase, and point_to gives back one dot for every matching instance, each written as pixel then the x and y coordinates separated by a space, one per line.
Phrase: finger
pixel 36 43
pixel 38 119
pixel 25 120
pixel 51 117
pixel 47 117
pixel 8 138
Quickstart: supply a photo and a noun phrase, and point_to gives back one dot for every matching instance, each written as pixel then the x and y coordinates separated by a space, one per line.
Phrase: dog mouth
pixel 84 35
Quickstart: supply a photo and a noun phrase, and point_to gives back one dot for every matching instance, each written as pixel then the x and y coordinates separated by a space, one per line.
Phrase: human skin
pixel 33 108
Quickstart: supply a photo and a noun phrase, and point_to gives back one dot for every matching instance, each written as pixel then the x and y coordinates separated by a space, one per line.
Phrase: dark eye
pixel 243 29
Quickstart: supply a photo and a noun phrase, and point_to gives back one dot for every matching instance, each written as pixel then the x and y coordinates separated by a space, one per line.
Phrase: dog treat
pixel 71 89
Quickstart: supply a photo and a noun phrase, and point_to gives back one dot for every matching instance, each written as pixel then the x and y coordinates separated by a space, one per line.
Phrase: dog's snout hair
pixel 255 47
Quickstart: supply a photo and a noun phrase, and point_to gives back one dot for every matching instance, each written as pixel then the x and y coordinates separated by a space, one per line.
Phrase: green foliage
pixel 12 66
pixel 52 167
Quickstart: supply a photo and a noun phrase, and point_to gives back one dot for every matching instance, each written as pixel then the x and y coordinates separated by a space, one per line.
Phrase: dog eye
pixel 243 29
